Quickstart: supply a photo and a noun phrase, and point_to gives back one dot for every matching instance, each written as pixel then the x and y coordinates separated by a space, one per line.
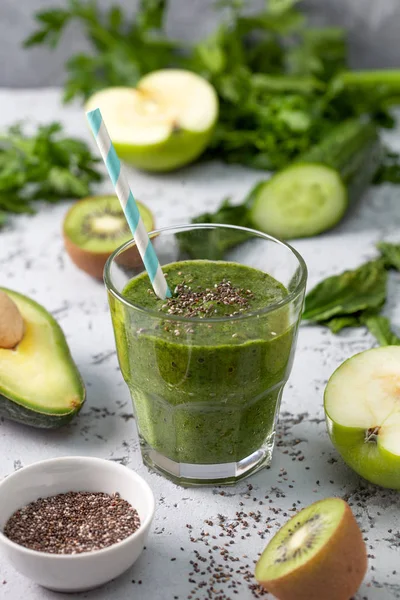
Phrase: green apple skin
pixel 368 459
pixel 180 149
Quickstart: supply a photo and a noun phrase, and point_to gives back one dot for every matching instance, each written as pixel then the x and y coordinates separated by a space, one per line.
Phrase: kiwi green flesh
pixel 300 539
pixel 98 224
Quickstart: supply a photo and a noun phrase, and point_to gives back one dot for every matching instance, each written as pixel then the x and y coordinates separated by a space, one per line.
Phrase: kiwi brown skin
pixel 90 262
pixel 93 262
pixel 334 573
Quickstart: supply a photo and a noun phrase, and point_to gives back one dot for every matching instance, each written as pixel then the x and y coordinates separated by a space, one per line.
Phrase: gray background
pixel 373 27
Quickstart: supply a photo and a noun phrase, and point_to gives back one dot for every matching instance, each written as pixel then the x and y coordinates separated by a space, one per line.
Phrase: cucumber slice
pixel 300 201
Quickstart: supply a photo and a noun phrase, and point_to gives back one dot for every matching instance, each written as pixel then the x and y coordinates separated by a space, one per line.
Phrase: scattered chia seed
pixel 209 301
pixel 73 523
pixel 217 568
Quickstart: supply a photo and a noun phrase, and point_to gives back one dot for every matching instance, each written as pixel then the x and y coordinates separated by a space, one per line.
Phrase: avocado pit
pixel 11 323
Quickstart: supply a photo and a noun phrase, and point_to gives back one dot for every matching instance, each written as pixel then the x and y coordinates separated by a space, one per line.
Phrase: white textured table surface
pixel 33 261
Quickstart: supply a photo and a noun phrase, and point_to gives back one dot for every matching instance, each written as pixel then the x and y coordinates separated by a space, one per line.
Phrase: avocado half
pixel 40 384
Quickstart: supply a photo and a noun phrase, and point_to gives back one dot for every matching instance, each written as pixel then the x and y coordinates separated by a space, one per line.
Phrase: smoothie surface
pixel 208 289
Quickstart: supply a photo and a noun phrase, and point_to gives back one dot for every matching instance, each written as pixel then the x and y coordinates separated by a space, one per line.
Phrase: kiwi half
pixel 94 227
pixel 319 554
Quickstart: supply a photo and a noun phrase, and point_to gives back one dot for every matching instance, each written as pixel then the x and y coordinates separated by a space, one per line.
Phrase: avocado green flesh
pixel 39 382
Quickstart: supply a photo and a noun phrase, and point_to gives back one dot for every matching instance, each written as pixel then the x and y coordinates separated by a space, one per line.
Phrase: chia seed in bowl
pixel 73 522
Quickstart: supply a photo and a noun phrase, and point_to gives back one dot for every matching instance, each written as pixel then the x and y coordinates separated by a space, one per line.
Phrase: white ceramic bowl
pixel 71 573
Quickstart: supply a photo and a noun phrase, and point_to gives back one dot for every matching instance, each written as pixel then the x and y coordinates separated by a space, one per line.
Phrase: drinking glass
pixel 206 391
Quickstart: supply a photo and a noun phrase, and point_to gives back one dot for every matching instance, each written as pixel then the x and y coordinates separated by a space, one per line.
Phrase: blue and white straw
pixel 128 203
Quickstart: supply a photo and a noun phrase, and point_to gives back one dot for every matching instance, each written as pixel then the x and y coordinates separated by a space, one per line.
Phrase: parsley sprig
pixel 282 85
pixel 44 166
pixel 122 49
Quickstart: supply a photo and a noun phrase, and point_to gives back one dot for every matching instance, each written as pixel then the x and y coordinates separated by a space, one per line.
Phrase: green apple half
pixel 362 408
pixel 162 124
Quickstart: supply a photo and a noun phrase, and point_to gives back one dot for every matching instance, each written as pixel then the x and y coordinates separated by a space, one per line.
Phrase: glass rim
pixel 178 318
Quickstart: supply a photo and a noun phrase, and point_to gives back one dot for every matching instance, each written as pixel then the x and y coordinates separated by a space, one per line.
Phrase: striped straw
pixel 128 204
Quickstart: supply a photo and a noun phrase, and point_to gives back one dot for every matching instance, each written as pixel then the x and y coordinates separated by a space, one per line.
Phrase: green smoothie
pixel 206 368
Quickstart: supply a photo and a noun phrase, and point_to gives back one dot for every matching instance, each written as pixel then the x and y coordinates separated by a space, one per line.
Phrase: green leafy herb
pixel 123 49
pixel 212 244
pixel 336 324
pixel 282 85
pixel 323 53
pixel 390 254
pixel 348 293
pixel 389 168
pixel 355 298
pixel 45 166
pixel 380 328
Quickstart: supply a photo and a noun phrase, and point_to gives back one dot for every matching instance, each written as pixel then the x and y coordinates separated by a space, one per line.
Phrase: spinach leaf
pixel 210 243
pixel 390 254
pixel 354 298
pixel 380 328
pixel 348 293
pixel 336 324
